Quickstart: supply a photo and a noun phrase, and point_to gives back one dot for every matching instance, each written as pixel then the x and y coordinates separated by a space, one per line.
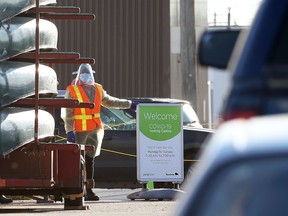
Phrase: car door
pixel 116 165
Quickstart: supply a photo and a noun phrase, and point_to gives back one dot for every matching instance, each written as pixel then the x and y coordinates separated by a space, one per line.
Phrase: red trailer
pixel 31 162
pixel 55 170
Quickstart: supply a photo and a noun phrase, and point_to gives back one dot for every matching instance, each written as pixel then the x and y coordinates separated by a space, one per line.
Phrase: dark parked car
pixel 116 167
pixel 258 62
pixel 242 171
pixel 243 168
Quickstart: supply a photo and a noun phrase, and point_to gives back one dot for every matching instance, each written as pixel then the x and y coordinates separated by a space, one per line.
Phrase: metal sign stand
pixel 156 194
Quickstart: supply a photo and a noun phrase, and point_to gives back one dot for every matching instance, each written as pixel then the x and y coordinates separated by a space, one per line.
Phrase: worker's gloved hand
pixel 134 105
pixel 71 137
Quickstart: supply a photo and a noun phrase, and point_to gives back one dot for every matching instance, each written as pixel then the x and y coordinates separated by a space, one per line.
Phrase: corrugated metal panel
pixel 130 41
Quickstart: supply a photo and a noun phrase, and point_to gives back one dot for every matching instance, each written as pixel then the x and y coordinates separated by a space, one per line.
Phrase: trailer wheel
pixel 74 204
pixel 74 199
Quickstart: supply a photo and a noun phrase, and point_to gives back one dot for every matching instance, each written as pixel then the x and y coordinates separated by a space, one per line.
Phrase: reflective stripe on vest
pixel 100 90
pixel 83 115
pixel 84 118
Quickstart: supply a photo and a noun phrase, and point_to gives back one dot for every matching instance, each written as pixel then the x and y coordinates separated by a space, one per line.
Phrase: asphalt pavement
pixel 112 202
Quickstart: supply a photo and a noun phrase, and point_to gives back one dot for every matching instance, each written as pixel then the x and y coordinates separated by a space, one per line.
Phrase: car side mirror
pixel 216 46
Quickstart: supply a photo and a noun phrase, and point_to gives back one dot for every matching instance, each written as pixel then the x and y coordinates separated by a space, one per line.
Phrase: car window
pixel 125 119
pixel 189 115
pixel 279 54
pixel 276 70
pixel 252 187
pixel 118 119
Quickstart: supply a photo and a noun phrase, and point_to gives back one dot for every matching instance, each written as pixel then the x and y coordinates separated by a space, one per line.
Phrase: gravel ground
pixel 112 202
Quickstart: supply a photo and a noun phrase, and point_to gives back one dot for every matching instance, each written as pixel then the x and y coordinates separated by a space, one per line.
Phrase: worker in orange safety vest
pixel 83 125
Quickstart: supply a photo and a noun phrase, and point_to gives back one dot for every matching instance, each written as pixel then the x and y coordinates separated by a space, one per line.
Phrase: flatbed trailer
pixel 38 165
pixel 51 169
pixel 46 168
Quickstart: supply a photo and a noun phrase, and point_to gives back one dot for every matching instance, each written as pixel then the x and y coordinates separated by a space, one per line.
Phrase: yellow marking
pixel 83 117
pixel 116 152
pixel 79 96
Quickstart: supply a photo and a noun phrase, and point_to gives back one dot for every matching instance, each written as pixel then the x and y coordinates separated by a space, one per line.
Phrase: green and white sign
pixel 160 143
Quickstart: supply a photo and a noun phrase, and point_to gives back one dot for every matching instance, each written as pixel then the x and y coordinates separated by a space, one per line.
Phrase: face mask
pixel 85 78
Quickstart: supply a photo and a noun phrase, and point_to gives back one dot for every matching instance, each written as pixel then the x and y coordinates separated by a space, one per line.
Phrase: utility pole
pixel 229 17
pixel 188 51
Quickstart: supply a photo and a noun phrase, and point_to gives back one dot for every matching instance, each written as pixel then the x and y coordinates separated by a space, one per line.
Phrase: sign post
pixel 159 148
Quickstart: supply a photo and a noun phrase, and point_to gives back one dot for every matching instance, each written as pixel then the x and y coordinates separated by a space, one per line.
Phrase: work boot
pixel 90 195
pixel 5 200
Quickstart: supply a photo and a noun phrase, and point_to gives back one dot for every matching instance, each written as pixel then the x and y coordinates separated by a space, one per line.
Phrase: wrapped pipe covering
pixel 11 8
pixel 17 127
pixel 17 81
pixel 20 36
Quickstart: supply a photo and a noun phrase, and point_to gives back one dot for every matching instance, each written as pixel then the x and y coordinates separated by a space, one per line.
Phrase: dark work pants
pixel 89 167
pixel 93 138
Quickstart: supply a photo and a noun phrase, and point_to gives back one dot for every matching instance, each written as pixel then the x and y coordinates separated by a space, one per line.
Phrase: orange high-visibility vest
pixel 86 119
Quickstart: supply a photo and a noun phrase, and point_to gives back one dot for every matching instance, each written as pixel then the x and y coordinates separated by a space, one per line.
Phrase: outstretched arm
pixel 114 102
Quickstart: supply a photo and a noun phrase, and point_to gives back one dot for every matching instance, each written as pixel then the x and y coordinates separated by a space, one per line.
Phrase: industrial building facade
pixel 130 41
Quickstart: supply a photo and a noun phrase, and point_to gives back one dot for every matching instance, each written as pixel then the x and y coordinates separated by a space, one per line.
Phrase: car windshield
pixel 125 119
pixel 118 119
pixel 252 187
